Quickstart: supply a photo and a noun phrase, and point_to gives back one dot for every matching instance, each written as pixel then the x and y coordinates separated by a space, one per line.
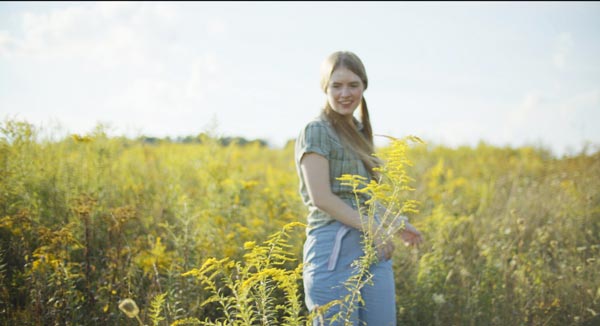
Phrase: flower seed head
pixel 129 307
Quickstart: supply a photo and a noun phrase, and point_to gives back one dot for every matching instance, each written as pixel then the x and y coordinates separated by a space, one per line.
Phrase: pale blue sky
pixel 507 73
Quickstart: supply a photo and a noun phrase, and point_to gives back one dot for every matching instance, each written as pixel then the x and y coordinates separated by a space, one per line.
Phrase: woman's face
pixel 344 91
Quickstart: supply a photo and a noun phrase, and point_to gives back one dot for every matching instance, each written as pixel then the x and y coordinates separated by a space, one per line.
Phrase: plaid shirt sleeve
pixel 314 138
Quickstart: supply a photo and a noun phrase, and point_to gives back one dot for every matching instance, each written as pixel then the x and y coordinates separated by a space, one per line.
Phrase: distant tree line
pixel 224 141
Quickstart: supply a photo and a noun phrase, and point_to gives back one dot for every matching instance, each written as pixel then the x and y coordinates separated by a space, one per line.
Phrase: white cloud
pixel 204 76
pixel 555 121
pixel 562 51
pixel 216 27
pixel 102 34
pixel 582 101
pixel 526 110
pixel 458 132
pixel 7 44
pixel 125 60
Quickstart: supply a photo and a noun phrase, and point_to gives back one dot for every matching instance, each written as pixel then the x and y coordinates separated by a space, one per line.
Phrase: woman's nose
pixel 345 92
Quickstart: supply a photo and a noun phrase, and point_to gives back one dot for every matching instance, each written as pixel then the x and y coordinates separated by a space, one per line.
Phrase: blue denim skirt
pixel 329 252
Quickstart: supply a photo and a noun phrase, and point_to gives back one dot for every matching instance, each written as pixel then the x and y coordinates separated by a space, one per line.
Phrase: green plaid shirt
pixel 318 136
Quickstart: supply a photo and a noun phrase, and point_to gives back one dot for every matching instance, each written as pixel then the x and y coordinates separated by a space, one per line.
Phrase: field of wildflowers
pixel 98 230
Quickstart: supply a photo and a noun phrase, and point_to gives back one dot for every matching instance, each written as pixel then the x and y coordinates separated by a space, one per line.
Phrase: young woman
pixel 333 144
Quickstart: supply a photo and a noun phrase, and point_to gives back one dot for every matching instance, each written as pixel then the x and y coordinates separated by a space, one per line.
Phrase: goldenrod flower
pixel 248 245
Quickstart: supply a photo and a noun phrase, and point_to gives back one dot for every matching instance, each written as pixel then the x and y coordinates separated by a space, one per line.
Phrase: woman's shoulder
pixel 317 136
pixel 318 122
pixel 319 129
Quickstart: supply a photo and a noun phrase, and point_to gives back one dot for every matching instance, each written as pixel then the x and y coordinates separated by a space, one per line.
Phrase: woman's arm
pixel 315 169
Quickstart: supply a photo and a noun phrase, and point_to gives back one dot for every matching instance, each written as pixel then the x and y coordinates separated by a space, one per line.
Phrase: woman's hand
pixel 384 246
pixel 383 241
pixel 410 235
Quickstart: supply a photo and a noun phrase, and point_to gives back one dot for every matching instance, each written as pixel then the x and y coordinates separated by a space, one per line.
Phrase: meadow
pixel 99 230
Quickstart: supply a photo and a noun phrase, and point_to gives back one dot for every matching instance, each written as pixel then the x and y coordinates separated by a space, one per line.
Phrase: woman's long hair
pixel 359 142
